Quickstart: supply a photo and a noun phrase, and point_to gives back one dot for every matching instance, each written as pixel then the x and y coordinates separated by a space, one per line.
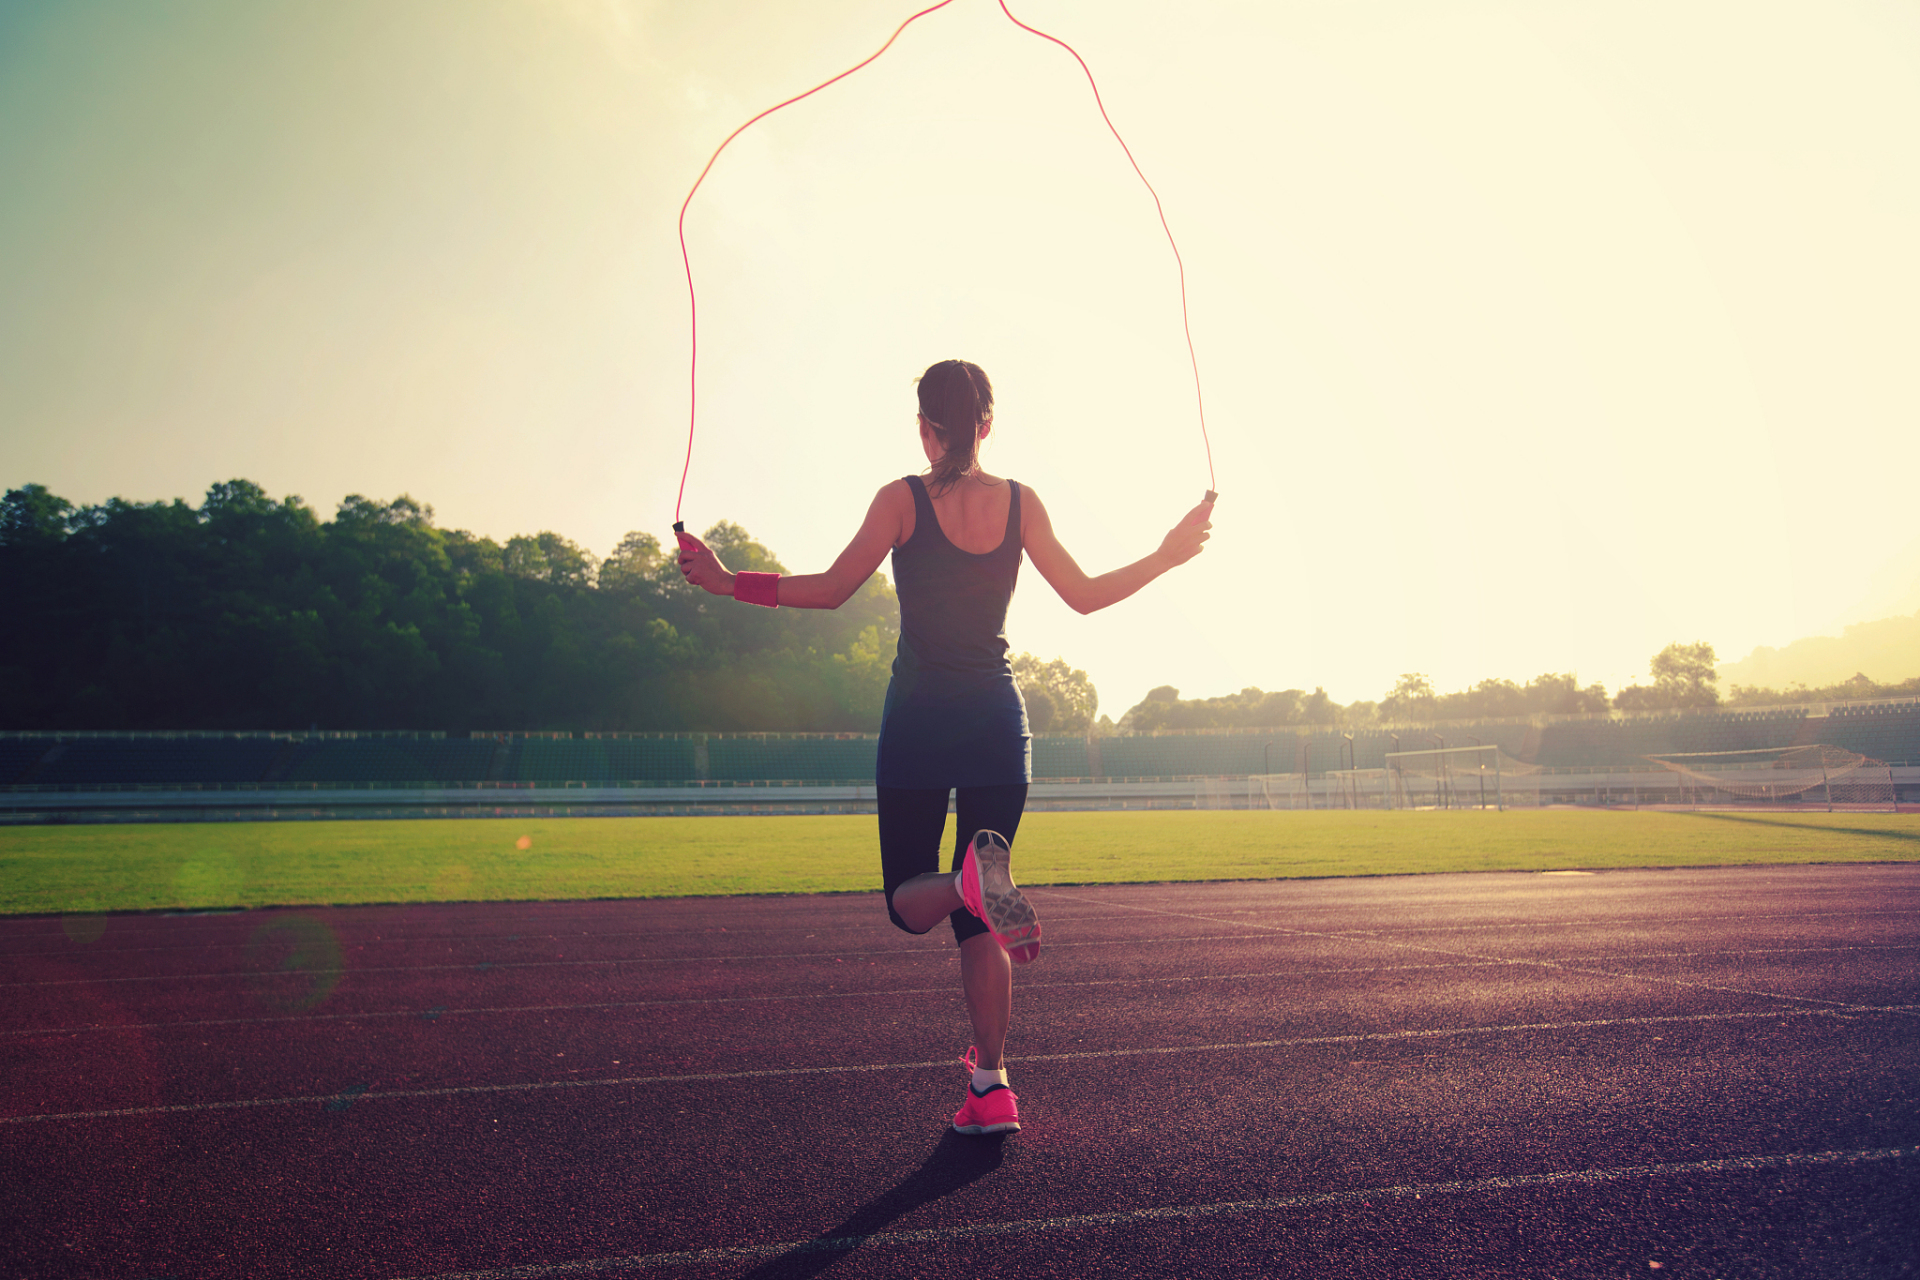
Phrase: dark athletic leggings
pixel 911 820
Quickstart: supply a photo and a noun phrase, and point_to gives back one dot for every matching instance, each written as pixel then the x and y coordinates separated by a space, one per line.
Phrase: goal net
pixel 1358 789
pixel 1479 777
pixel 1816 774
pixel 1221 793
pixel 1279 791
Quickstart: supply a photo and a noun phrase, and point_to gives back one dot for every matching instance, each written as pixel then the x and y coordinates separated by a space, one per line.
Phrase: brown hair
pixel 955 399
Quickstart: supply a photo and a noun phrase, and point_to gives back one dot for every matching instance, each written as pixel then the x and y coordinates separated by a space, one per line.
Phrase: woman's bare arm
pixel 879 533
pixel 1084 594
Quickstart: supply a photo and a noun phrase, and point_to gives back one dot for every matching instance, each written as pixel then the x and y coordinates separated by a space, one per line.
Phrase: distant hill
pixel 1887 651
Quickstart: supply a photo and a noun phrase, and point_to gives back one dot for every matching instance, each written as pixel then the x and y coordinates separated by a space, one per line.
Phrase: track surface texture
pixel 1710 1073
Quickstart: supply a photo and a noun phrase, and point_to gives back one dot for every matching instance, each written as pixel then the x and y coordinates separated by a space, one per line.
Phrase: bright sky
pixel 1534 335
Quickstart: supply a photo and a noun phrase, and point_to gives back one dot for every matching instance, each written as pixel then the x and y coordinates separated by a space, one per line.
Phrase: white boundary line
pixel 1594 922
pixel 1250 929
pixel 1175 1213
pixel 1517 962
pixel 946 1064
pixel 480 966
pixel 1144 980
pixel 944 990
pixel 386 939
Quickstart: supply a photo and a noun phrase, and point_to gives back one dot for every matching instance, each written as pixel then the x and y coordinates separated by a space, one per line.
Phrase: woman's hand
pixel 702 568
pixel 1185 540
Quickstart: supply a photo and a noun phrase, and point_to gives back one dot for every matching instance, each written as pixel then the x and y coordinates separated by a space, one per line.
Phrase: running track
pixel 1716 1071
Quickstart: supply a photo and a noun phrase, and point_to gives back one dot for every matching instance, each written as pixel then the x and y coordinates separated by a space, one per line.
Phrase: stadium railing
pixel 1574 757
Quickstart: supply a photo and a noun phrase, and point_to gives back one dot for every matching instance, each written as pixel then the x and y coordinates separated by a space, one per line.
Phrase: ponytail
pixel 955 399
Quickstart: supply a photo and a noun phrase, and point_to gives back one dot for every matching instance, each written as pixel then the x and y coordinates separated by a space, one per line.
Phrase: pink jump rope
pixel 693 308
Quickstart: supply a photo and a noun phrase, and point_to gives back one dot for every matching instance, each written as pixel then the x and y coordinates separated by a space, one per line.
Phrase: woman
pixel 953 717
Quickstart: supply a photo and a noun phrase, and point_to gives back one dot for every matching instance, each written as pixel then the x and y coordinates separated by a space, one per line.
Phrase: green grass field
pixel 68 870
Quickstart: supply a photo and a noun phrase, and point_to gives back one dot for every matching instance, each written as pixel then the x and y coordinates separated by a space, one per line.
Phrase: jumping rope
pixel 693 306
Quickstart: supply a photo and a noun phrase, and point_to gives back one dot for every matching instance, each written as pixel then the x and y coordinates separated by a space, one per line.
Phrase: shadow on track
pixel 1761 820
pixel 957 1160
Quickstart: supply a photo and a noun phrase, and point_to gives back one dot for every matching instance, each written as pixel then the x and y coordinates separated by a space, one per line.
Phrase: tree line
pixel 1683 679
pixel 1413 699
pixel 247 612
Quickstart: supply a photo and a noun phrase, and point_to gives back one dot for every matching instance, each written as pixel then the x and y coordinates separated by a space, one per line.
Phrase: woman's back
pixel 972 513
pixel 953 714
pixel 953 599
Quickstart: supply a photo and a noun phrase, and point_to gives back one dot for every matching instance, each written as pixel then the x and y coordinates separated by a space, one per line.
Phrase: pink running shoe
pixel 995 1111
pixel 988 890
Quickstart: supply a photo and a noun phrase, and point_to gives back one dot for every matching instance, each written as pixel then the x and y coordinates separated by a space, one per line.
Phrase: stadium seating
pixel 1061 757
pixel 1593 744
pixel 1890 733
pixel 1190 755
pixel 752 759
pixel 17 755
pixel 161 761
pixel 1737 730
pixel 602 760
pixel 1601 743
pixel 392 760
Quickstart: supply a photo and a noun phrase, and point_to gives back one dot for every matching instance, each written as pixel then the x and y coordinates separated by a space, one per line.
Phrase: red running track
pixel 1716 1070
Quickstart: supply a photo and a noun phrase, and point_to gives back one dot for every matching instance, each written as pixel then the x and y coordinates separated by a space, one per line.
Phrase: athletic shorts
pixel 912 820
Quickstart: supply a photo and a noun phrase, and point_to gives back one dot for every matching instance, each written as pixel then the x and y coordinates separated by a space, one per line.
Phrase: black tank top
pixel 953 716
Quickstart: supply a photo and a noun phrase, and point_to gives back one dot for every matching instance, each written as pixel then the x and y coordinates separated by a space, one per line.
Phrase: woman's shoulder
pixel 895 504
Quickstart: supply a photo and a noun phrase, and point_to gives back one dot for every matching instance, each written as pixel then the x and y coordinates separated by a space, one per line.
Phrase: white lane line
pixel 243 916
pixel 1142 980
pixel 476 966
pixel 906 953
pixel 1524 962
pixel 729 999
pixel 916 954
pixel 388 939
pixel 483 966
pixel 1609 922
pixel 946 1064
pixel 1258 931
pixel 1188 1212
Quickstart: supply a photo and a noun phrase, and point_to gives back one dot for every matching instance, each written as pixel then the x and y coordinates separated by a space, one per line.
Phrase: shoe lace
pixel 972 1058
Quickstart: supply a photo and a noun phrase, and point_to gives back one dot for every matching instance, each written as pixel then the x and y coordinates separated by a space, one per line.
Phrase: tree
pixel 1640 697
pixel 30 514
pixel 630 565
pixel 737 549
pixel 1684 672
pixel 356 510
pixel 548 557
pixel 1412 699
pixel 863 673
pixel 1856 686
pixel 1560 694
pixel 1042 710
pixel 1683 679
pixel 1251 708
pixel 1060 698
pixel 249 612
pixel 1498 700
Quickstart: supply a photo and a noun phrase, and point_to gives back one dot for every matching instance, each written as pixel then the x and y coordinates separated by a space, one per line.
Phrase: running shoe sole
pixel 999 901
pixel 1009 1124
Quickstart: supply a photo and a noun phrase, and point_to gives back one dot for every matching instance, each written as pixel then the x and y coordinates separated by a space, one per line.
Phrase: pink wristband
pixel 757 588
